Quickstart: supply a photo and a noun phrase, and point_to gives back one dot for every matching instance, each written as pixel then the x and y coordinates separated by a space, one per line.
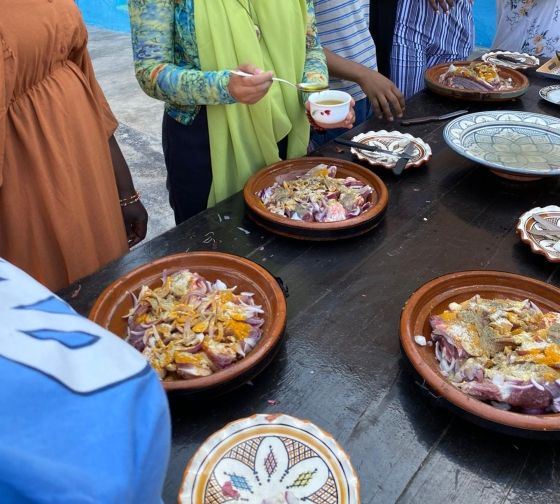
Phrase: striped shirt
pixel 343 27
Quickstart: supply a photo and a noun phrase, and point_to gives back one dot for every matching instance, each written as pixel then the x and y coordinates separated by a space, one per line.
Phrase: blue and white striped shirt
pixel 343 27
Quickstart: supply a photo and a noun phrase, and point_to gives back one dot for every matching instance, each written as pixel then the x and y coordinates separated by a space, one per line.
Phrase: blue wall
pixel 485 21
pixel 110 14
pixel 113 15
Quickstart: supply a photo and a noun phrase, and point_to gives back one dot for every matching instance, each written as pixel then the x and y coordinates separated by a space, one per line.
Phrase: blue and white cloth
pixel 343 27
pixel 83 418
pixel 424 38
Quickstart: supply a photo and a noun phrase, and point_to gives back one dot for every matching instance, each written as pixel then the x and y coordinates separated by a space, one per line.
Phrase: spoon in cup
pixel 308 87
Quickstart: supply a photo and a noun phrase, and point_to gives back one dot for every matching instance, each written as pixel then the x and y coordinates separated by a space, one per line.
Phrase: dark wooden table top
pixel 340 364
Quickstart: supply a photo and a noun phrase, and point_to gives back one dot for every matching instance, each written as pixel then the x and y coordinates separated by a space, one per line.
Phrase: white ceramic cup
pixel 328 113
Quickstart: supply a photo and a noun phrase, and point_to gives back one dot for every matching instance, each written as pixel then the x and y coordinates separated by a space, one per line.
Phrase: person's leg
pixel 189 169
pixel 382 16
pixel 408 58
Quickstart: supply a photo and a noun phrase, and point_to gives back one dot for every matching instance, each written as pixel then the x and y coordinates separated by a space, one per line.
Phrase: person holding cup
pixel 219 128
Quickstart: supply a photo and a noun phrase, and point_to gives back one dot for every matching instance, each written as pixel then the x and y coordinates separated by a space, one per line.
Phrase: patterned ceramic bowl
pixel 551 94
pixel 532 229
pixel 516 145
pixel 516 60
pixel 272 459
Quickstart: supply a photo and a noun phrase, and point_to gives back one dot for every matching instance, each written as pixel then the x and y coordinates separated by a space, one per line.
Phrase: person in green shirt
pixel 219 128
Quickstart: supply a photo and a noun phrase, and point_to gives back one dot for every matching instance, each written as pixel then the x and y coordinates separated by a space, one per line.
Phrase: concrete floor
pixel 139 133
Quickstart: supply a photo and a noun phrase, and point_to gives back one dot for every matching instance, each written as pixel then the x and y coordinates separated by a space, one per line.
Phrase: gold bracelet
pixel 130 200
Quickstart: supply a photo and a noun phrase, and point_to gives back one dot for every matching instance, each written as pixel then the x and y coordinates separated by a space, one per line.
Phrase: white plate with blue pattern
pixel 551 94
pixel 514 144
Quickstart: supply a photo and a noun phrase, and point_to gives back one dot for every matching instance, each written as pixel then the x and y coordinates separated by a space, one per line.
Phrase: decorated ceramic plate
pixel 551 94
pixel 271 459
pixel 433 298
pixel 392 141
pixel 532 229
pixel 515 60
pixel 514 144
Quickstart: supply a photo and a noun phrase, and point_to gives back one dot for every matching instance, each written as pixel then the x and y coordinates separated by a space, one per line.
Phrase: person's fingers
pixel 444 5
pixel 376 107
pixel 395 104
pixel 400 98
pixel 434 5
pixel 141 228
pixel 250 68
pixel 386 109
pixel 258 79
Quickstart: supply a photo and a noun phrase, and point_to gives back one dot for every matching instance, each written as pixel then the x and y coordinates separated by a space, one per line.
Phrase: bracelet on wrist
pixel 130 199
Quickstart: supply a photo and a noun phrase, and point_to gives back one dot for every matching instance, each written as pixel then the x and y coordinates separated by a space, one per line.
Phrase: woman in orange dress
pixel 62 173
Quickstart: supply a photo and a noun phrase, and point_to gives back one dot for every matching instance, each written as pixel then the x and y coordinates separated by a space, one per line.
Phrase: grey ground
pixel 139 133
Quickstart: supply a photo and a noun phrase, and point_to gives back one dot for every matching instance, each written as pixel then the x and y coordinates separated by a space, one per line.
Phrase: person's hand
pixel 446 5
pixel 347 123
pixel 249 90
pixel 135 222
pixel 386 99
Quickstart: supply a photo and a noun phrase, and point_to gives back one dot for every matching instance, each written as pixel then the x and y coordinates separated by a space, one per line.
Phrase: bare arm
pixel 384 96
pixel 134 215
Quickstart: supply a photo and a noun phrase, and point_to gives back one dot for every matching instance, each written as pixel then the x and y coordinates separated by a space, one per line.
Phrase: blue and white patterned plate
pixel 270 459
pixel 517 143
pixel 551 94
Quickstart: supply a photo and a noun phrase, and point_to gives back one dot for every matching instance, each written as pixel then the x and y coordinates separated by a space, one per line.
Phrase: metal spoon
pixel 302 86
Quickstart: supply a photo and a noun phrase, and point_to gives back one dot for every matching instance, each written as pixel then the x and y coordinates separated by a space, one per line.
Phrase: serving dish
pixel 319 231
pixel 392 141
pixel 519 81
pixel 112 306
pixel 551 94
pixel 530 231
pixel 505 59
pixel 551 68
pixel 516 145
pixel 263 458
pixel 433 298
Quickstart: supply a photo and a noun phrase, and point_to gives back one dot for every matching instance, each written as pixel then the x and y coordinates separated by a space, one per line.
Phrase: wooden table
pixel 340 365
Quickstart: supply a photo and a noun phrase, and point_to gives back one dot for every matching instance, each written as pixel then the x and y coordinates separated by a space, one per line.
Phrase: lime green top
pixel 178 64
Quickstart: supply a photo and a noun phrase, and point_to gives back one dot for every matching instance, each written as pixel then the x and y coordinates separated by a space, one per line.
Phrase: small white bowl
pixel 324 112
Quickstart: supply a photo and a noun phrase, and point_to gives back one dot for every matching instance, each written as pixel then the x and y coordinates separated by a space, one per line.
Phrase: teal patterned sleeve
pixel 315 69
pixel 164 69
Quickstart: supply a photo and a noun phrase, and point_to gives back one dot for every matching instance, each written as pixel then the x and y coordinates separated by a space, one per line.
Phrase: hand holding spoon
pixel 307 87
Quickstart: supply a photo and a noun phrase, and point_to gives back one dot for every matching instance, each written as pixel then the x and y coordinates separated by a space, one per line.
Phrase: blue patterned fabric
pixel 83 418
pixel 424 38
pixel 167 63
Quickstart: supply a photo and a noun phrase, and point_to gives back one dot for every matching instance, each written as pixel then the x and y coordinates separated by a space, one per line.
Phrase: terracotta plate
pixel 520 84
pixel 270 458
pixel 314 230
pixel 530 232
pixel 115 301
pixel 434 297
pixel 391 140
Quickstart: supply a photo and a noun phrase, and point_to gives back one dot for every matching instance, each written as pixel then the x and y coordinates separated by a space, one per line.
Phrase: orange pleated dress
pixel 60 217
